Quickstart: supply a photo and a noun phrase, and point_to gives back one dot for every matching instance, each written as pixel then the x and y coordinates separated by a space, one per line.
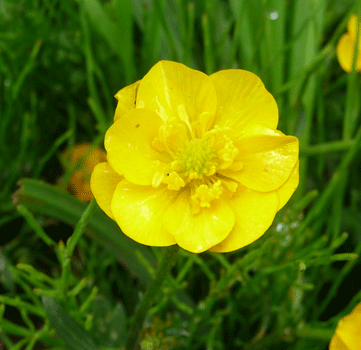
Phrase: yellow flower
pixel 347 334
pixel 346 46
pixel 83 158
pixel 195 160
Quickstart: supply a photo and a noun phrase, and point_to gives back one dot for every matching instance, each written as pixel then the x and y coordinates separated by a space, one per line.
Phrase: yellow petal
pixel 344 51
pixel 103 182
pixel 139 212
pixel 338 344
pixel 254 212
pixel 352 26
pixel 198 232
pixel 126 100
pixel 268 160
pixel 349 329
pixel 289 187
pixel 243 101
pixel 169 85
pixel 129 146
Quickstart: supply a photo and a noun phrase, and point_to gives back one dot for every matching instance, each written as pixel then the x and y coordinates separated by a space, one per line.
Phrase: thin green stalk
pixel 190 33
pixel 80 228
pixel 182 21
pixel 337 282
pixel 207 42
pixel 328 147
pixel 72 242
pixel 159 8
pixel 314 333
pixel 352 95
pixel 168 259
pixel 338 205
pixel 324 199
pixel 57 143
pixel 27 69
pixel 96 106
pixel 33 223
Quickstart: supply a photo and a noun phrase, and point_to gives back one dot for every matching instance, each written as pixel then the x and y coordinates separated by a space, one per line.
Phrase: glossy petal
pixel 243 101
pixel 254 212
pixel 344 50
pixel 126 100
pixel 198 232
pixel 139 212
pixel 289 187
pixel 156 122
pixel 267 159
pixel 103 182
pixel 129 146
pixel 348 330
pixel 352 26
pixel 169 85
pixel 337 344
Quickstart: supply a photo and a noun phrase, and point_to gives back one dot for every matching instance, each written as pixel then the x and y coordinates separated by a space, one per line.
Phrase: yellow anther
pixel 174 181
pixel 231 185
pixel 163 133
pixel 226 153
pixel 183 114
pixel 205 194
pixel 184 117
pixel 171 138
pixel 211 171
pixel 176 165
pixel 205 120
pixel 196 160
pixel 237 166
pixel 194 176
pixel 158 145
pixel 157 179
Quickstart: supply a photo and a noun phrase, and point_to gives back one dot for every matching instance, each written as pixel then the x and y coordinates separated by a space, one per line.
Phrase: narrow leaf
pixel 67 328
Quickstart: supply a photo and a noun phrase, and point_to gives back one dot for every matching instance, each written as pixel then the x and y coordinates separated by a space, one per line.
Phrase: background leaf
pixel 75 337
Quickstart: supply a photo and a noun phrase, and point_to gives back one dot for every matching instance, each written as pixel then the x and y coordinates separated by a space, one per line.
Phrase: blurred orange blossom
pixel 82 158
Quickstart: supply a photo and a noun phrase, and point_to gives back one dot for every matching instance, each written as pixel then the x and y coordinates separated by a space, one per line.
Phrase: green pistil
pixel 197 159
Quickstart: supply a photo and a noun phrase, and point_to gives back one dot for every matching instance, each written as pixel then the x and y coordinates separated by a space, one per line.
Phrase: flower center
pixel 197 154
pixel 196 160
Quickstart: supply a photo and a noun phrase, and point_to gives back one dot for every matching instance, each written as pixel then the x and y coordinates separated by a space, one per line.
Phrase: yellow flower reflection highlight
pixel 347 334
pixel 195 160
pixel 346 47
pixel 81 160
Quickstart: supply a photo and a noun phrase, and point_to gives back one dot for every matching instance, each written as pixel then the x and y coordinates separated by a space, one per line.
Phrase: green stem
pixel 314 333
pixel 333 146
pixel 168 259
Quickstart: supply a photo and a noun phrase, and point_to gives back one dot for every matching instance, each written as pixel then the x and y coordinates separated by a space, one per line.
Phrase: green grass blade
pixel 117 31
pixel 75 337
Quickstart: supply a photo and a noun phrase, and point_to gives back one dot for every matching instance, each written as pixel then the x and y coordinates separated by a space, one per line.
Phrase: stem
pixel 315 333
pixel 332 146
pixel 169 258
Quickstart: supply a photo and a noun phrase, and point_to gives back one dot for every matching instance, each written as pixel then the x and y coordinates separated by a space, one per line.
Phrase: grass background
pixel 61 62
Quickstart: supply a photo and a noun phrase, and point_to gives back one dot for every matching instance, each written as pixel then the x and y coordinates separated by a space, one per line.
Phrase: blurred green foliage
pixel 60 64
